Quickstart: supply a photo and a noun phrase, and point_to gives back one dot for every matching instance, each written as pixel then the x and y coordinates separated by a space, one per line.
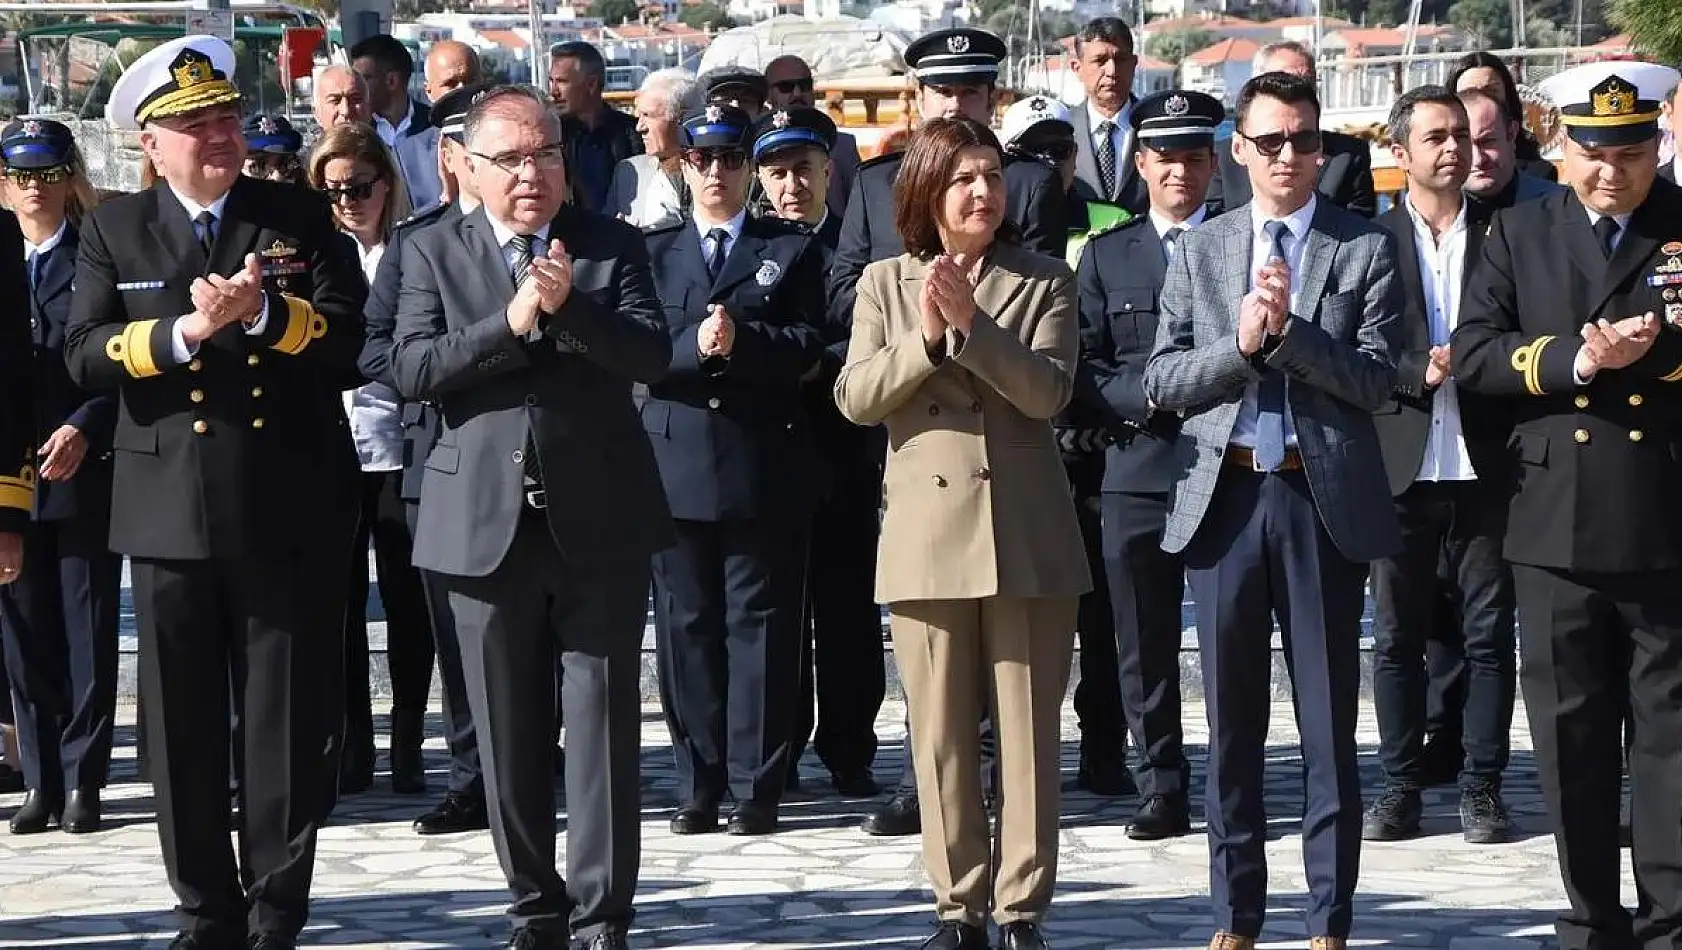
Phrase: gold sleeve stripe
pixel 18 491
pixel 1527 362
pixel 1674 377
pixel 133 349
pixel 303 324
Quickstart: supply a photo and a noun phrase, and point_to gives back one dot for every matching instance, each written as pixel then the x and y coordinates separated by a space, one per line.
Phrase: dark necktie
pixel 36 259
pixel 1606 230
pixel 1171 240
pixel 519 257
pixel 715 263
pixel 1106 157
pixel 1270 392
pixel 205 227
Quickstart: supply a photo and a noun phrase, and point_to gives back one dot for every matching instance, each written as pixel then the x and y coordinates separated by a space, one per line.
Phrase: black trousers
pixel 265 630
pixel 727 609
pixel 1098 704
pixel 1147 587
pixel 409 648
pixel 512 623
pixel 1262 554
pixel 60 642
pixel 843 677
pixel 465 777
pixel 1465 524
pixel 1594 645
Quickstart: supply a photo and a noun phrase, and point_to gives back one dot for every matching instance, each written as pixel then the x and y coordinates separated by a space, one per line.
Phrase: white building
pixel 1219 70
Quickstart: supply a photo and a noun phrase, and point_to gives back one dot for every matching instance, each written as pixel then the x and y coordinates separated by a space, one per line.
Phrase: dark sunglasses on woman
pixel 356 191
pixel 46 176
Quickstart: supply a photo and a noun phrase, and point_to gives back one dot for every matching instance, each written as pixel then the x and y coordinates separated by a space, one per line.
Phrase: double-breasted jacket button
pixel 194 365
pixel 531 399
pixel 256 392
pixel 1582 402
pixel 934 409
pixel 983 473
pixel 1636 435
pixel 196 395
pixel 940 481
pixel 714 402
pixel 252 359
pixel 200 426
pixel 257 423
pixel 1581 435
pixel 1635 399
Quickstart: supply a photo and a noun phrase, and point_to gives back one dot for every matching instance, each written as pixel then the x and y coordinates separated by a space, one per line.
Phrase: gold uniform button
pixel 1581 435
pixel 196 395
pixel 195 365
pixel 200 426
pixel 1636 435
pixel 1635 399
pixel 257 423
pixel 253 360
pixel 256 392
pixel 1582 402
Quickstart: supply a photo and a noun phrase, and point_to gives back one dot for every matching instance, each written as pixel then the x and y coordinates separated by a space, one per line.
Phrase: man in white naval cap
pixel 223 312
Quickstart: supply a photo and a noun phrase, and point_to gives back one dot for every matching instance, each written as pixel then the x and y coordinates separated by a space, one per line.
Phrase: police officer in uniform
pixel 17 426
pixel 227 315
pixel 744 304
pixel 956 71
pixel 60 620
pixel 1120 279
pixel 842 643
pixel 1574 315
pixel 463 806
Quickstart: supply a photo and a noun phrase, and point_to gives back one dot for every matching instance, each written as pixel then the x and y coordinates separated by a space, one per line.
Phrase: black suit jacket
pixel 1120 281
pixel 1597 465
pixel 243 450
pixel 1404 425
pixel 59 401
pixel 17 415
pixel 568 393
pixel 732 434
pixel 618 131
pixel 1345 175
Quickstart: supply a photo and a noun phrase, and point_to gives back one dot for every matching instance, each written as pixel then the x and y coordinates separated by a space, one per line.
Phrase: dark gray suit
pixel 1292 543
pixel 526 582
pixel 1129 191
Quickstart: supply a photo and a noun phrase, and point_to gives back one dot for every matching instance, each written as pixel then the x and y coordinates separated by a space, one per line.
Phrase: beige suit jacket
pixel 977 503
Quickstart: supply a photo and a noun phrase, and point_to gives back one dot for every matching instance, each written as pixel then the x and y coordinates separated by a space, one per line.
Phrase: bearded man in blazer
pixel 527 322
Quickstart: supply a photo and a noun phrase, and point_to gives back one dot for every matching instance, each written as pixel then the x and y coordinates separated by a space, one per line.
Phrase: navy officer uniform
pixel 234 494
pixel 1120 279
pixel 1594 533
pixel 844 670
pixel 60 617
pixel 735 454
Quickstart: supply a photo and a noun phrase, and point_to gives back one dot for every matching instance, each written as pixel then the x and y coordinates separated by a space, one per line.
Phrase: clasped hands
pixel 219 301
pixel 546 288
pixel 716 335
pixel 948 298
pixel 1265 308
pixel 1614 345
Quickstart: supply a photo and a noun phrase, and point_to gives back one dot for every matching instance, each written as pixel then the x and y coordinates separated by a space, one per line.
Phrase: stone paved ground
pixel 818 883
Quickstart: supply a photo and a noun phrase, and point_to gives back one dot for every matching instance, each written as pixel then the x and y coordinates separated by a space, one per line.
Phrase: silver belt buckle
pixel 536 499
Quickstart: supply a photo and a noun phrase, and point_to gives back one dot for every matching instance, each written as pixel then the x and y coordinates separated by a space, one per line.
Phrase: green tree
pixel 614 12
pixel 1488 22
pixel 1173 47
pixel 706 15
pixel 1652 23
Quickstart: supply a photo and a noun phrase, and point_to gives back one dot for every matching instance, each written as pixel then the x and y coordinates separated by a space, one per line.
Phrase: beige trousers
pixel 957 659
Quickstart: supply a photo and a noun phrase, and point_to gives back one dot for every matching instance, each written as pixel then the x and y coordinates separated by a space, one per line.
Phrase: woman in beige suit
pixel 965 346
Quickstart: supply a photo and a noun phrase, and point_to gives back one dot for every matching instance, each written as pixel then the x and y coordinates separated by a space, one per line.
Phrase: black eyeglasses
pixel 355 191
pixel 547 159
pixel 729 159
pixel 46 176
pixel 787 86
pixel 1306 142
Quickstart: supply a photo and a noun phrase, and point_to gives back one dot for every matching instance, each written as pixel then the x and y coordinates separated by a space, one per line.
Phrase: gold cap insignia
pixel 191 68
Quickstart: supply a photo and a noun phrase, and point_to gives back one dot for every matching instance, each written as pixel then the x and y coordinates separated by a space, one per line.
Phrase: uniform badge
pixel 1673 314
pixel 32 128
pixel 779 119
pixel 957 44
pixel 1671 249
pixel 138 285
pixel 267 125
pixel 768 273
pixel 1177 105
pixel 1037 104
pixel 715 114
pixel 279 249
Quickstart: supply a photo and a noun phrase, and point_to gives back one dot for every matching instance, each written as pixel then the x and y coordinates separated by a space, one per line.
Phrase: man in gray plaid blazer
pixel 1279 325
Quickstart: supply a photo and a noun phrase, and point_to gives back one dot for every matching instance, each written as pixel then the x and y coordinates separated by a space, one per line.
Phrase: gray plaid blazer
pixel 1339 361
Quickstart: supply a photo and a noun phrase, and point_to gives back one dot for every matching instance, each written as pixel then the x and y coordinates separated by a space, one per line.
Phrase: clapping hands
pixel 1609 345
pixel 1264 309
pixel 219 301
pixel 948 297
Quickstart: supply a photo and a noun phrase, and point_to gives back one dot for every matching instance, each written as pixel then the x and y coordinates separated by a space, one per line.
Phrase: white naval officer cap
pixel 180 76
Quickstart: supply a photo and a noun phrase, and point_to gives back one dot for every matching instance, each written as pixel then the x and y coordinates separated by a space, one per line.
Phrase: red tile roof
pixel 1227 50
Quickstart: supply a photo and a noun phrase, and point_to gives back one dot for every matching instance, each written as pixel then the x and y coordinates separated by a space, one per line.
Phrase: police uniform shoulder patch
pixel 428 213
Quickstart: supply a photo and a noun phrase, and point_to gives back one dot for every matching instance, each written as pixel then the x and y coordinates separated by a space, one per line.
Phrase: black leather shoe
pixel 860 784
pixel 532 938
pixel 897 817
pixel 38 813
pixel 81 811
pixel 456 813
pixel 272 942
pixel 607 940
pixel 952 935
pixel 1022 935
pixel 695 819
pixel 1105 776
pixel 1159 817
pixel 1394 816
pixel 752 818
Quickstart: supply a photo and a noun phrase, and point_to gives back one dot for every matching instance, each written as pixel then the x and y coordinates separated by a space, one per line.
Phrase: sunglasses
pixel 357 191
pixel 787 86
pixel 46 176
pixel 275 165
pixel 1054 153
pixel 728 159
pixel 1306 142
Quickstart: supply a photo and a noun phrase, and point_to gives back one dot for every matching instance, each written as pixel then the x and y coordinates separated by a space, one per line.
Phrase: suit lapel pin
pixel 767 274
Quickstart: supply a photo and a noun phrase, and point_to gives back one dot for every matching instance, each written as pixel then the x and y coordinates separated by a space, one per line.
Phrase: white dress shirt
pixel 1442 262
pixel 539 246
pixel 1163 224
pixel 178 345
pixel 1123 120
pixel 1621 219
pixel 376 419
pixel 45 246
pixel 1261 249
pixel 732 229
pixel 388 133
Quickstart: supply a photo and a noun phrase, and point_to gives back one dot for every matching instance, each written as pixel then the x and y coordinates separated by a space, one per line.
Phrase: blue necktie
pixel 1270 393
pixel 35 258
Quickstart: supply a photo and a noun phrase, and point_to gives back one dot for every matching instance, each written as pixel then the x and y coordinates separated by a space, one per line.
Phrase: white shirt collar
pixel 1122 119
pixel 47 245
pixel 1297 221
pixel 1162 223
pixel 733 226
pixel 503 232
pixel 1423 227
pixel 194 209
pixel 1595 216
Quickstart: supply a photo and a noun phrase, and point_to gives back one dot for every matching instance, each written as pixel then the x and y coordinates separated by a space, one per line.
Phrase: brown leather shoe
pixel 1328 943
pixel 1226 941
